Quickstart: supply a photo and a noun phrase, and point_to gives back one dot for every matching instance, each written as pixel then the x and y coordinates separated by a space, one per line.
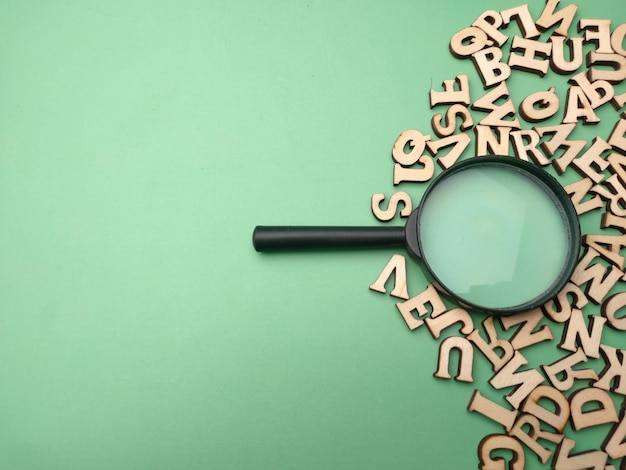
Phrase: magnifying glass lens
pixel 494 236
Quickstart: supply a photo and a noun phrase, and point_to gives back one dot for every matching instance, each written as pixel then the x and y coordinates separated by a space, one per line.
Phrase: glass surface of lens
pixel 493 235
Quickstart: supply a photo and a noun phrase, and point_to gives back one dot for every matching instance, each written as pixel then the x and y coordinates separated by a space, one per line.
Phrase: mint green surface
pixel 493 236
pixel 140 143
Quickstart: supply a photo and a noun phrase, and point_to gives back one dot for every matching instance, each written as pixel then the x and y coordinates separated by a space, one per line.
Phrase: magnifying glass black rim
pixel 556 193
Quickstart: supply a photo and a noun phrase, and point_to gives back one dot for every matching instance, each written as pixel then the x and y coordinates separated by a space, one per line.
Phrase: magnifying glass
pixel 495 234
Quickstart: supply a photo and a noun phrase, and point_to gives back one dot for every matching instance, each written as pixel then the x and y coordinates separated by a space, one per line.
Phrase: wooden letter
pixel 614 61
pixel 489 21
pixel 577 192
pixel 408 147
pixel 617 140
pixel 619 101
pixel 579 107
pixel 597 32
pixel 612 221
pixel 494 442
pixel 608 246
pixel 528 333
pixel 564 368
pixel 489 66
pixel 525 145
pixel 466 359
pixel 600 279
pixel 579 300
pixel 492 410
pixel 397 265
pixel 615 443
pixel 401 173
pixel 498 360
pixel 540 106
pixel 558 62
pixel 598 92
pixel 460 141
pixel 457 315
pixel 531 438
pixel 592 162
pixel 525 381
pixel 604 413
pixel 431 297
pixel 530 50
pixel 558 418
pixel 497 112
pixel 392 208
pixel 488 144
pixel 609 310
pixel 563 17
pixel 524 20
pixel 415 142
pixel 565 460
pixel 617 39
pixel 559 140
pixel 612 189
pixel 617 166
pixel 468 41
pixel 450 95
pixel 454 111
pixel 576 334
pixel 614 371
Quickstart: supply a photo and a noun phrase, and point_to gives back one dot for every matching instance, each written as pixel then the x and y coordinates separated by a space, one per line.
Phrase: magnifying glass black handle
pixel 289 238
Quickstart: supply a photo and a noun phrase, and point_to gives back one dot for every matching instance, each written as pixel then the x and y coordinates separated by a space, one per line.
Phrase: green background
pixel 140 143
